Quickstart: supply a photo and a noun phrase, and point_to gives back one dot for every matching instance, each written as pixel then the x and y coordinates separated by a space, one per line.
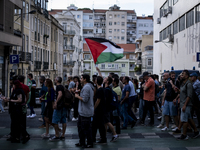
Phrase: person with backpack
pixel 60 112
pixel 186 95
pixel 169 102
pixel 109 107
pixel 124 104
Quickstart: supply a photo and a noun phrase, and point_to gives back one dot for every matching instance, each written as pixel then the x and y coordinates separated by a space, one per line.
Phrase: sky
pixel 140 6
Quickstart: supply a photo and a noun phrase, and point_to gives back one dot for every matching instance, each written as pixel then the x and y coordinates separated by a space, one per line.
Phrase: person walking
pixel 86 112
pixel 60 112
pixel 149 98
pixel 31 104
pixel 48 112
pixel 42 94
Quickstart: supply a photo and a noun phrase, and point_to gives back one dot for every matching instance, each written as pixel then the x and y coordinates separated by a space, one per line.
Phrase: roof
pixel 127 47
pixel 86 10
pixel 100 10
pixel 55 11
pixel 147 18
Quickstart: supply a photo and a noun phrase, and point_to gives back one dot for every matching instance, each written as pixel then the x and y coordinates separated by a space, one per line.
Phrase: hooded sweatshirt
pixel 86 107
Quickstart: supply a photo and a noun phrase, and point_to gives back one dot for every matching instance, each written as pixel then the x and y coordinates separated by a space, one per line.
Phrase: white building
pixel 144 25
pixel 177 30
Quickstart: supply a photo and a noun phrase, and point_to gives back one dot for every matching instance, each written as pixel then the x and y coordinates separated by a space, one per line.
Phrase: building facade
pixel 176 34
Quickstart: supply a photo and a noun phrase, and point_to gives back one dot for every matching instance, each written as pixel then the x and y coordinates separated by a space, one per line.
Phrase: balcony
pixel 24 56
pixel 17 33
pixel 87 68
pixel 69 47
pixel 37 65
pixel 138 62
pixel 131 21
pixel 70 32
pixel 46 13
pixel 131 27
pixel 111 69
pixel 132 69
pixel 68 63
pixel 45 65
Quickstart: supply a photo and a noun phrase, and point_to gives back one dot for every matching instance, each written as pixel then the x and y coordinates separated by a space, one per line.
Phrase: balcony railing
pixel 45 65
pixel 46 13
pixel 68 63
pixel 24 56
pixel 38 64
pixel 38 6
pixel 69 47
pixel 17 33
pixel 110 69
pixel 129 20
pixel 1 27
pixel 70 32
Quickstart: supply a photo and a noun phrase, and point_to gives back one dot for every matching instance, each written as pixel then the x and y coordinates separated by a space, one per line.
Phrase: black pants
pixel 15 125
pixel 76 107
pixel 131 100
pixel 85 130
pixel 148 106
pixel 98 123
pixel 23 126
pixel 117 129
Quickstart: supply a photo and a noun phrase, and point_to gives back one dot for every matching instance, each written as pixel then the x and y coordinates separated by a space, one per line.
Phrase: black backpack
pixel 68 99
pixel 112 99
pixel 157 89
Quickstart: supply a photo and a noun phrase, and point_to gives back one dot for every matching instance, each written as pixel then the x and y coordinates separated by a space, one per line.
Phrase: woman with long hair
pixel 16 102
pixel 48 113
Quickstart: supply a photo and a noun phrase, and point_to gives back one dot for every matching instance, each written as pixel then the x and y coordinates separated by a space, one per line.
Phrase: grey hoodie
pixel 86 107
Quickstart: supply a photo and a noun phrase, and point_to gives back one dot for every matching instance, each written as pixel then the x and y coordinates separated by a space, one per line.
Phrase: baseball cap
pixel 194 74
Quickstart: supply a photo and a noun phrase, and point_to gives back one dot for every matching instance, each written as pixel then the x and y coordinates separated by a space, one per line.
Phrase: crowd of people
pixel 105 103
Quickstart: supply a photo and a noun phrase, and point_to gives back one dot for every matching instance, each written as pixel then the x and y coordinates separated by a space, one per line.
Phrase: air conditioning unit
pixel 54 66
pixel 171 38
pixel 164 12
pixel 169 10
pixel 158 20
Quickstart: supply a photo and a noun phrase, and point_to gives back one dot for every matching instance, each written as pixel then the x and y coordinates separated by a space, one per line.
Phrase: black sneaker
pixel 54 138
pixel 62 138
pixel 78 145
pixel 189 130
pixel 88 146
pixel 196 134
pixel 177 131
pixel 133 124
pixel 183 137
pixel 114 138
pixel 101 142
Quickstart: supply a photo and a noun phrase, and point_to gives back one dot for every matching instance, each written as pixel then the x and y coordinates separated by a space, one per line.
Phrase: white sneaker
pixel 173 126
pixel 33 116
pixel 72 109
pixel 160 126
pixel 40 119
pixel 74 119
pixel 28 116
pixel 45 136
pixel 165 129
pixel 174 129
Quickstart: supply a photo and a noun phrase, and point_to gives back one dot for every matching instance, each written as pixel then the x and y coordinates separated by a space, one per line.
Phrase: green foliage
pixel 137 69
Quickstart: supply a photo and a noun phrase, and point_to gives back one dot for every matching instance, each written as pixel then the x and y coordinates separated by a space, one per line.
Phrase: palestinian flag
pixel 104 50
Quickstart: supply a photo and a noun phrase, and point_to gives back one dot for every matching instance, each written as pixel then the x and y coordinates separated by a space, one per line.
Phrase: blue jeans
pixel 141 108
pixel 42 111
pixel 1 107
pixel 126 117
pixel 31 109
pixel 59 115
pixel 131 100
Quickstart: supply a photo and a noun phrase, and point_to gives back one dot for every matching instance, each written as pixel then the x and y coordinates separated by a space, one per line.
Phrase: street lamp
pixel 31 12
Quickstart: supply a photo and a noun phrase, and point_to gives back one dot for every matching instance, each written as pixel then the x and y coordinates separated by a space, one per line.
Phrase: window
pixel 65 27
pixel 24 9
pixel 41 55
pixel 35 53
pixel 123 16
pixel 182 23
pixel 109 65
pixel 117 30
pixel 32 48
pixel 15 11
pixel 123 65
pixel 123 74
pixel 175 1
pixel 110 16
pixel 198 14
pixel 123 30
pixel 38 26
pixel 122 38
pixel 118 16
pixel 118 37
pixel 123 23
pixel 149 62
pixel 110 23
pixel 102 66
pixel 23 42
pixel 110 30
pixel 35 24
pixel 78 16
pixel 140 25
pixel 38 56
pixel 140 32
pixel 90 17
pixel 87 56
pixel 110 37
pixel 146 25
pixel 27 43
pixel 103 31
pixel 146 32
pixel 115 23
pixel 114 37
pixel 175 27
pixel 27 11
pixel 118 23
pixel 190 18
